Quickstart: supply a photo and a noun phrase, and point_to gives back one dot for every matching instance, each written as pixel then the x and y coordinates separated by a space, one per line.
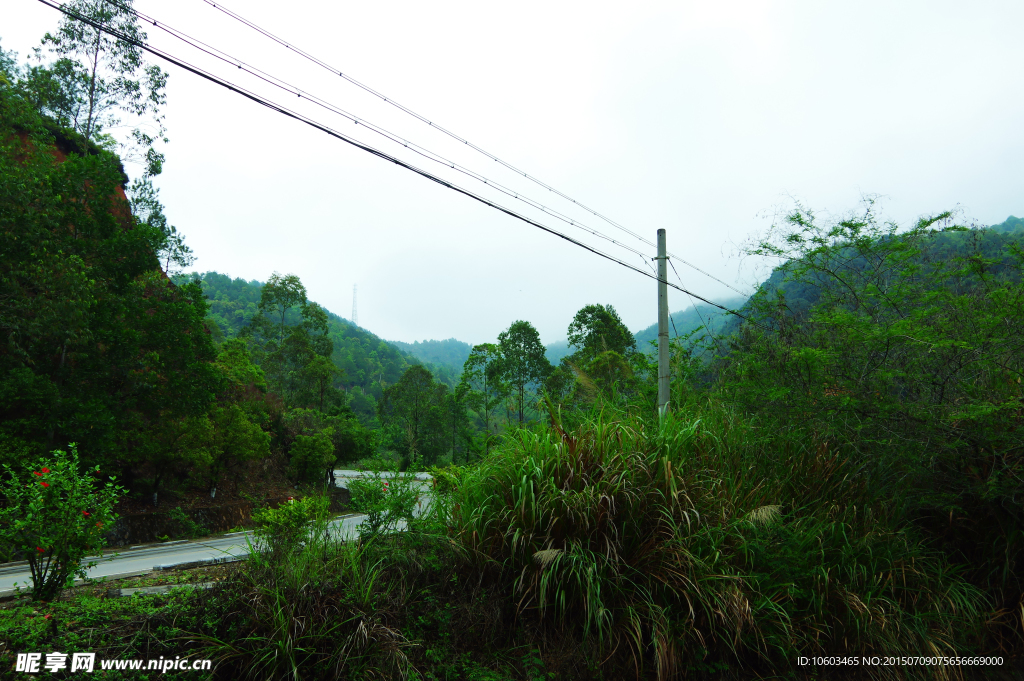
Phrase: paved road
pixel 147 557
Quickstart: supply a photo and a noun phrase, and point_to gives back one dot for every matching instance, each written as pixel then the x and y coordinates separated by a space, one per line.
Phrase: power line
pixel 695 309
pixel 397 139
pixel 162 54
pixel 333 70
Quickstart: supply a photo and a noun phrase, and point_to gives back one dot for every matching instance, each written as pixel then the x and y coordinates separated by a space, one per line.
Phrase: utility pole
pixel 664 373
pixel 355 315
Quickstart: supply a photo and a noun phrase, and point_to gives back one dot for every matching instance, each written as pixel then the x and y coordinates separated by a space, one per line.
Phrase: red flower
pixel 99 524
pixel 39 549
pixel 45 484
pixel 46 617
pixel 46 470
pixel 85 513
pixel 36 473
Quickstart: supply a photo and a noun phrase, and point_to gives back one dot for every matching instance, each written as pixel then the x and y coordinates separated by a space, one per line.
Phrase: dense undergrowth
pixel 701 546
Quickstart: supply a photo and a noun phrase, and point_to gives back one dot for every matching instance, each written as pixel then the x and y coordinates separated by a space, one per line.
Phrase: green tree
pixel 484 391
pixel 522 366
pixel 906 344
pixel 596 329
pixel 235 439
pixel 278 296
pixel 412 414
pixel 98 78
pixel 312 456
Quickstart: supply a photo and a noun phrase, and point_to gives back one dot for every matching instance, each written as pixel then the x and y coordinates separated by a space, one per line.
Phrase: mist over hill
pixel 690 319
pixel 450 352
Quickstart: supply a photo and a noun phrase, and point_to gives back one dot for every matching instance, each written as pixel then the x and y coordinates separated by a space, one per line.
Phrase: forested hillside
pixel 451 353
pixel 701 318
pixel 799 294
pixel 364 358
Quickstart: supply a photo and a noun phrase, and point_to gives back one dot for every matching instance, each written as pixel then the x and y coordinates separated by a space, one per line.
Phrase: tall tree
pixel 278 296
pixel 99 78
pixel 412 414
pixel 523 365
pixel 483 387
pixel 596 329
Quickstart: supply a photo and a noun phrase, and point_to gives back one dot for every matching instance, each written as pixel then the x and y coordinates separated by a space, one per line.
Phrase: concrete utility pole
pixel 664 373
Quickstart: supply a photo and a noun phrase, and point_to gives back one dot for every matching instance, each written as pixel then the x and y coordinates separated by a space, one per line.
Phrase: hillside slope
pixel 688 320
pixel 450 353
pixel 366 359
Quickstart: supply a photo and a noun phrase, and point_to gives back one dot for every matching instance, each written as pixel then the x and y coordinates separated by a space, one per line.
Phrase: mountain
pixel 366 359
pixel 1011 224
pixel 802 295
pixel 451 352
pixel 556 351
pixel 688 320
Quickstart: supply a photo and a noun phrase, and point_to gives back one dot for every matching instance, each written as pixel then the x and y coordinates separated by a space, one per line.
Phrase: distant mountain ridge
pixel 690 319
pixel 450 352
pixel 365 358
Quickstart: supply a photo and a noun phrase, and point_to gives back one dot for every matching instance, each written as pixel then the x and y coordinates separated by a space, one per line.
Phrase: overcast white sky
pixel 702 118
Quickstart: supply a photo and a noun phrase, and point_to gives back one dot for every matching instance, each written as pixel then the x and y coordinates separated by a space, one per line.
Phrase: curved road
pixel 149 557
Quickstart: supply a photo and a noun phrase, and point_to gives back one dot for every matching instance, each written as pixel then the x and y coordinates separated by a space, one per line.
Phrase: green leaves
pixel 522 364
pixel 57 514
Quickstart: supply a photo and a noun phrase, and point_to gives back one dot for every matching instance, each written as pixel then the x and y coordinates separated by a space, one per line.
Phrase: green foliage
pixel 99 346
pixel 522 365
pixel 292 524
pixel 906 344
pixel 596 329
pixel 98 78
pixel 387 497
pixel 186 525
pixel 365 359
pixel 692 539
pixel 450 353
pixel 414 415
pixel 56 516
pixel 312 456
pixel 231 440
pixel 484 390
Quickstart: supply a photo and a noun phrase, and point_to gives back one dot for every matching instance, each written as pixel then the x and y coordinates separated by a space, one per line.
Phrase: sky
pixel 704 119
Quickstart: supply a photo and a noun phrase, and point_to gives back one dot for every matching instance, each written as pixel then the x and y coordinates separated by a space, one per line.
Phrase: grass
pixel 703 545
pixel 84 619
pixel 703 541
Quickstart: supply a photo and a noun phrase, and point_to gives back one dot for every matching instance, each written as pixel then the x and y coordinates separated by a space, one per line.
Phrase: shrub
pixel 56 516
pixel 702 541
pixel 387 500
pixel 290 525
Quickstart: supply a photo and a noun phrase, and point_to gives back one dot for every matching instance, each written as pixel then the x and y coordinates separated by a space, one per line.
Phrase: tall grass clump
pixel 702 543
pixel 304 605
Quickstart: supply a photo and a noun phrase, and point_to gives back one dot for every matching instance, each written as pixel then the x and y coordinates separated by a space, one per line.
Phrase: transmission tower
pixel 355 312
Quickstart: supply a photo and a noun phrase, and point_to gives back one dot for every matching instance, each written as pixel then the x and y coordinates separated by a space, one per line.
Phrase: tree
pixel 412 414
pixel 235 439
pixel 456 418
pixel 482 386
pixel 56 516
pixel 905 345
pixel 523 365
pixel 312 456
pixel 596 329
pixel 99 77
pixel 279 295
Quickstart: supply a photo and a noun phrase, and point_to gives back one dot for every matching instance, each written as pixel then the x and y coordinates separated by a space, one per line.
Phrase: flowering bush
pixel 56 516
